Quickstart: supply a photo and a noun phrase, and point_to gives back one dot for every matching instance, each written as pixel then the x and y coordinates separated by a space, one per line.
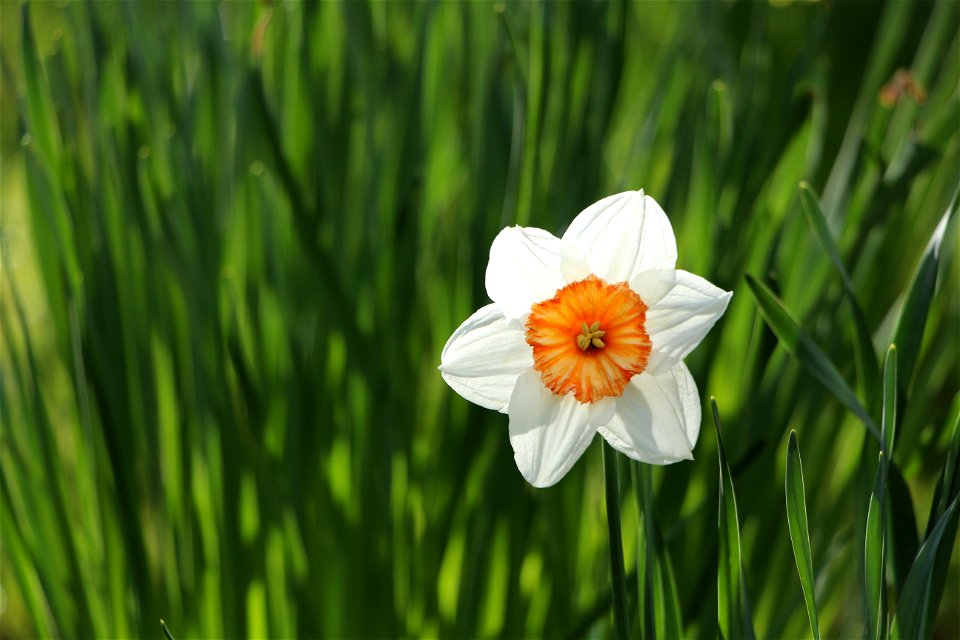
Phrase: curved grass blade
pixel 911 618
pixel 913 316
pixel 874 548
pixel 799 531
pixel 804 349
pixel 863 346
pixel 732 614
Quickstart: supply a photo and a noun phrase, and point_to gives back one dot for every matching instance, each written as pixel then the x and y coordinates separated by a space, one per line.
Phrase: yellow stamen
pixel 591 336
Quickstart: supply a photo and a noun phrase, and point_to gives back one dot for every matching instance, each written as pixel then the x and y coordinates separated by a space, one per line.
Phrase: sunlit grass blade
pixel 43 122
pixel 913 316
pixel 798 344
pixel 618 576
pixel 888 417
pixel 874 547
pixel 665 602
pixel 911 619
pixel 799 531
pixel 27 573
pixel 731 611
pixel 863 346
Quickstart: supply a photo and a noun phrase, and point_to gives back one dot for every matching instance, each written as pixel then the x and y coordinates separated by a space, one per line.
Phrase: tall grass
pixel 237 235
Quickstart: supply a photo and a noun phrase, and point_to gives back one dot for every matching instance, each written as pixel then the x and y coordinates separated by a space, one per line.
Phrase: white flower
pixel 587 334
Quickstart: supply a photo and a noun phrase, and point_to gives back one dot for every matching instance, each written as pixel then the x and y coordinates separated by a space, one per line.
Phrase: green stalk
pixel 618 577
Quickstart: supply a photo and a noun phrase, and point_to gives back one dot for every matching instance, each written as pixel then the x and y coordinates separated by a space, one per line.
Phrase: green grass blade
pixel 618 576
pixel 799 531
pixel 888 418
pixel 949 488
pixel 42 120
pixel 913 316
pixel 863 345
pixel 644 560
pixel 666 600
pixel 950 477
pixel 801 346
pixel 903 540
pixel 875 542
pixel 730 589
pixel 665 611
pixel 911 618
pixel 874 546
pixel 890 34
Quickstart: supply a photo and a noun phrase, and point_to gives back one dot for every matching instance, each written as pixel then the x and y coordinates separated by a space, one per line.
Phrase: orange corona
pixel 589 339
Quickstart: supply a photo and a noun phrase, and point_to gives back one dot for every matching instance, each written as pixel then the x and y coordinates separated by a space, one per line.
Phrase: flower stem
pixel 618 578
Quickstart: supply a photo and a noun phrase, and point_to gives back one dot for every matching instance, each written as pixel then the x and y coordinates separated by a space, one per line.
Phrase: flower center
pixel 589 339
pixel 591 336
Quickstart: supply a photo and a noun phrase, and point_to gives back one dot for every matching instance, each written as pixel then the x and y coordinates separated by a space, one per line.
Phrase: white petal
pixel 601 412
pixel 548 433
pixel 524 269
pixel 573 263
pixel 657 420
pixel 484 357
pixel 654 284
pixel 623 235
pixel 681 318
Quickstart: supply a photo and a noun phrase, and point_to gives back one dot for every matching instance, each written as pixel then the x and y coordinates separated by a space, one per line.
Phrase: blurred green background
pixel 236 235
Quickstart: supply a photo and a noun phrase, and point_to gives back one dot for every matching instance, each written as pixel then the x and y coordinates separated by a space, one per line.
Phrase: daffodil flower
pixel 587 333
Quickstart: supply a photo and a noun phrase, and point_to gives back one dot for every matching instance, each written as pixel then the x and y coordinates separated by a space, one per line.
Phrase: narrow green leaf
pixel 730 588
pixel 863 345
pixel 800 346
pixel 888 418
pixel 913 316
pixel 950 480
pixel 875 541
pixel 42 121
pixel 911 617
pixel 799 531
pixel 28 574
pixel 618 577
pixel 666 598
pixel 666 613
pixel 874 546
pixel 903 540
pixel 644 602
pixel 948 489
